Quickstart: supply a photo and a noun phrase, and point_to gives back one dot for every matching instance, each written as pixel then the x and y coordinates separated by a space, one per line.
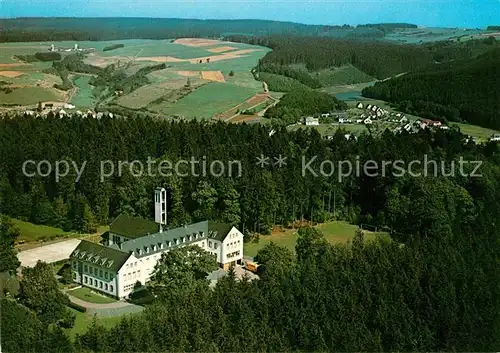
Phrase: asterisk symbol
pixel 262 161
pixel 280 161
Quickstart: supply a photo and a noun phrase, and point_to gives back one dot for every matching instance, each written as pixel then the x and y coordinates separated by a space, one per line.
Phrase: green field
pixel 480 133
pixel 34 232
pixel 343 75
pixel 88 295
pixel 28 96
pixel 83 98
pixel 210 99
pixel 84 320
pixel 432 34
pixel 336 232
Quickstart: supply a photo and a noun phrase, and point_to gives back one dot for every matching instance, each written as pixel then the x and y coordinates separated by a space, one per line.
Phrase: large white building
pixel 134 246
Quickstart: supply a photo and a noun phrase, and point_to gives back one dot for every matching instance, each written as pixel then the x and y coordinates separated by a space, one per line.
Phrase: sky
pixel 430 13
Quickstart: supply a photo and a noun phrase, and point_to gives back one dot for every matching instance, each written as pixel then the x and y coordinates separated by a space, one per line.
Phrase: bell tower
pixel 161 206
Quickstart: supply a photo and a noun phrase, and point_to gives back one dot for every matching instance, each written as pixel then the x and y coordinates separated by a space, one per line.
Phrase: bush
pixel 113 47
pixel 48 56
pixel 77 307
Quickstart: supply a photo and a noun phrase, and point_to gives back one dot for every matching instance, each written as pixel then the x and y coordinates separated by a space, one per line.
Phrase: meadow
pixel 336 232
pixel 482 134
pixel 83 97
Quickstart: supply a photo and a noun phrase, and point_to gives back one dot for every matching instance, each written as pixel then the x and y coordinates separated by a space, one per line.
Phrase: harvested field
pixel 144 95
pixel 188 73
pixel 10 74
pixel 13 65
pixel 233 113
pixel 160 59
pixel 197 42
pixel 243 118
pixel 224 56
pixel 216 76
pixel 221 49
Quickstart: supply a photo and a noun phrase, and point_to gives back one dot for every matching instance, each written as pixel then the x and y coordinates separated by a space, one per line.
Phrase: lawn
pixel 480 133
pixel 90 296
pixel 336 232
pixel 84 320
pixel 34 232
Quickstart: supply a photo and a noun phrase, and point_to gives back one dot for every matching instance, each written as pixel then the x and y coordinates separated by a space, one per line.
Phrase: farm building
pixel 310 121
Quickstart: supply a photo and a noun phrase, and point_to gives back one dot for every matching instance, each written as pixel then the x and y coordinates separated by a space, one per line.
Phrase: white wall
pixel 233 244
pixel 84 274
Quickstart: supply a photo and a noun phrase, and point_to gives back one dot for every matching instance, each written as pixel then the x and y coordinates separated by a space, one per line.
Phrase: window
pixel 100 273
pixel 111 276
pixel 106 275
pixel 100 284
pixel 110 287
pixel 138 273
pixel 90 281
pixel 85 268
pixel 216 245
pixel 210 244
pixel 106 286
pixel 85 279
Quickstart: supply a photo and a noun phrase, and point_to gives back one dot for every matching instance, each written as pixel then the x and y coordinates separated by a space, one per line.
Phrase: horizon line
pixel 227 19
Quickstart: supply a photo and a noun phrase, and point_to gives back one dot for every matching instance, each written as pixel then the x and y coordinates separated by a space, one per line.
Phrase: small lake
pixel 346 96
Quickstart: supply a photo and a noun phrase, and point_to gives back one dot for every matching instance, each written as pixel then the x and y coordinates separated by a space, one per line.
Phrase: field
pixel 431 34
pixel 207 64
pixel 83 97
pixel 343 75
pixel 482 134
pixel 336 232
pixel 34 232
pixel 208 100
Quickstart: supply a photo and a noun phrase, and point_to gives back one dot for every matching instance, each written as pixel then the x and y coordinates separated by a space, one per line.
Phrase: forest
pixel 79 29
pixel 433 286
pixel 378 59
pixel 297 104
pixel 464 91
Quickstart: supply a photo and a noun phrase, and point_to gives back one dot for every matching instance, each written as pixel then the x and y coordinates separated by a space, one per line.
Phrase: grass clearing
pixel 343 75
pixel 84 320
pixel 90 296
pixel 480 133
pixel 324 129
pixel 29 96
pixel 83 98
pixel 209 99
pixel 35 232
pixel 336 232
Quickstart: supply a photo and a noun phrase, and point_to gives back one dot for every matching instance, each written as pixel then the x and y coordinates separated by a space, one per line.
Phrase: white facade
pixel 161 205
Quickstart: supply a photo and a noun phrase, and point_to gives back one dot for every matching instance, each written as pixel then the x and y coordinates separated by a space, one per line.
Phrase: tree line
pixel 255 200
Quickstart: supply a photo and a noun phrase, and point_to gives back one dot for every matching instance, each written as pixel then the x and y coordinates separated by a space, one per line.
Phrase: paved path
pixel 48 253
pixel 117 308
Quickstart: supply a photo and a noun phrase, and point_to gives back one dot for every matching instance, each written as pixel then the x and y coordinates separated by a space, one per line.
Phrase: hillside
pixel 465 90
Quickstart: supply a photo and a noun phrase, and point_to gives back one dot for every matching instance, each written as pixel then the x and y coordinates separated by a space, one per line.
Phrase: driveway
pixel 117 308
pixel 48 253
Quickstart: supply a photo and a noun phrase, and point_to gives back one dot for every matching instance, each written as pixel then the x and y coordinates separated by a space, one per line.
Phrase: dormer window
pixel 169 243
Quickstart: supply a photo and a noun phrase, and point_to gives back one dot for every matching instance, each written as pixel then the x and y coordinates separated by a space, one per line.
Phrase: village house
pixel 360 105
pixel 368 121
pixel 310 121
pixel 134 246
pixel 495 138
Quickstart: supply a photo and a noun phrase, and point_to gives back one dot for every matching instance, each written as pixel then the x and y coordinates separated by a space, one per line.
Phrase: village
pixel 370 115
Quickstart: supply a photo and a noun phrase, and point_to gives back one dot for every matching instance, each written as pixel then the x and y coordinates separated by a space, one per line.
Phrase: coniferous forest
pixel 464 90
pixel 432 286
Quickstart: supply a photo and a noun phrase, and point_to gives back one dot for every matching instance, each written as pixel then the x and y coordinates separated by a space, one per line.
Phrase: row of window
pixel 233 254
pixel 128 287
pixel 94 271
pixel 233 244
pixel 169 243
pixel 215 245
pixel 98 284
pixel 132 275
